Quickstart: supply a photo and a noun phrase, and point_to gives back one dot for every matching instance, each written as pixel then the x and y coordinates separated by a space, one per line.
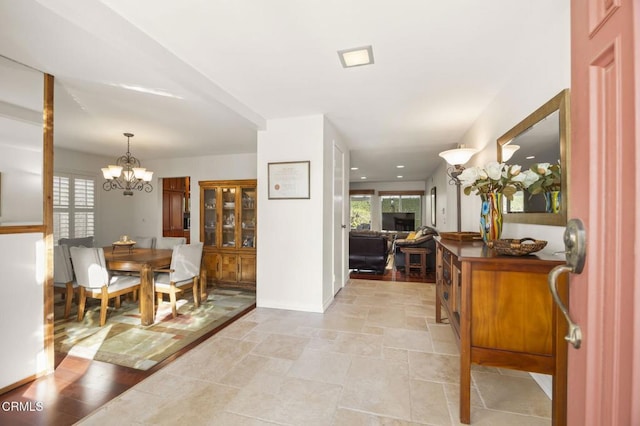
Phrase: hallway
pixel 375 357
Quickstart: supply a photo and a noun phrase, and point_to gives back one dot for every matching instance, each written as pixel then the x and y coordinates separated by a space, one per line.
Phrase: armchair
pixel 94 281
pixel 169 242
pixel 423 238
pixel 184 273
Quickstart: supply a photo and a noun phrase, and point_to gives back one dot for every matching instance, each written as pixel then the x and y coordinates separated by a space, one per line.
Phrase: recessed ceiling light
pixel 399 176
pixel 400 166
pixel 531 157
pixel 363 177
pixel 354 168
pixel 356 57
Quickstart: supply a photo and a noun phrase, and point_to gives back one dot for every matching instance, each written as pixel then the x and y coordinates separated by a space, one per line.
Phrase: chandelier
pixel 127 174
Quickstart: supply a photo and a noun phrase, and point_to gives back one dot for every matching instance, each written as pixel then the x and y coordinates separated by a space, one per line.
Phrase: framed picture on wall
pixel 433 206
pixel 289 180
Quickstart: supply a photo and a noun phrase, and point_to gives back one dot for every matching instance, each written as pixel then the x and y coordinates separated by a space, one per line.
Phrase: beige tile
pixel 415 322
pixel 376 357
pixel 453 395
pixel 429 403
pixel 415 340
pixel 125 408
pixel 345 417
pixel 250 366
pixel 281 346
pixel 378 387
pixel 393 354
pixel 298 402
pixel 514 394
pixel 321 366
pixel 211 359
pixel 434 367
pixel 238 329
pixel 385 316
pixel 485 417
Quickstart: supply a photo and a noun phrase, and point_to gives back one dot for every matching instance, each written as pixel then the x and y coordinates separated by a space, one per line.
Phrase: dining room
pixel 145 326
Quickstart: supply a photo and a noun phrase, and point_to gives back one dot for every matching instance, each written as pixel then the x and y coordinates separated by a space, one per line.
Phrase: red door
pixel 604 374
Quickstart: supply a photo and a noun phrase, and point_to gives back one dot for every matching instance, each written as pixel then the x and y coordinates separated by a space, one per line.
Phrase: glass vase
pixel 553 201
pixel 491 216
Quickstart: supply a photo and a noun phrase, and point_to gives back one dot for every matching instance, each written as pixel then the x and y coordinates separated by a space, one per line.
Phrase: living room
pixel 314 135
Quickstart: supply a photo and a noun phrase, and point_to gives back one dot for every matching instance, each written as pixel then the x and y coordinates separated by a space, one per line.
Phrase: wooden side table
pixel 422 251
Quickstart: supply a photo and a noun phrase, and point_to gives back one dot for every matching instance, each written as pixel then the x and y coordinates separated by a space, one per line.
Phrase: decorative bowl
pixel 521 247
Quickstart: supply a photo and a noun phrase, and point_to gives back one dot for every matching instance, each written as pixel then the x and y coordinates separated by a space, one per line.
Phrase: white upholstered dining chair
pixel 63 279
pixel 184 273
pixel 94 280
pixel 169 242
pixel 145 242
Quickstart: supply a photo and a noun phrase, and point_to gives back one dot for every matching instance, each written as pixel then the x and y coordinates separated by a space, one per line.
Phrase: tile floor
pixel 376 357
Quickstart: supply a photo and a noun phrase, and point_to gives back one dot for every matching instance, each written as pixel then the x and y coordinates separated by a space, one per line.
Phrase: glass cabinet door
pixel 210 217
pixel 248 217
pixel 228 217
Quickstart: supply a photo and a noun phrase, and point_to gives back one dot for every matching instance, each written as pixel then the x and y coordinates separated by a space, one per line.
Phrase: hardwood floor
pixel 77 387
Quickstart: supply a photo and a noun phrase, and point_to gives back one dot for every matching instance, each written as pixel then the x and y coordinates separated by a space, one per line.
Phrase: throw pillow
pixel 411 236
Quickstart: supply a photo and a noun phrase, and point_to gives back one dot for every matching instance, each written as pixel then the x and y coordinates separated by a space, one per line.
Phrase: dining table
pixel 141 261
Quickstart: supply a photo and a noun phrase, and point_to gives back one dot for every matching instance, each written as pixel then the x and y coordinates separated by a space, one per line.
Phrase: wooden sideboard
pixel 502 313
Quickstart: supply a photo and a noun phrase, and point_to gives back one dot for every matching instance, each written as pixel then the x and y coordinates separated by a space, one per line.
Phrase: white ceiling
pixel 231 65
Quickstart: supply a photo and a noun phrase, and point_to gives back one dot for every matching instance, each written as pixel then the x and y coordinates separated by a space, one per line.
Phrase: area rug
pixel 124 341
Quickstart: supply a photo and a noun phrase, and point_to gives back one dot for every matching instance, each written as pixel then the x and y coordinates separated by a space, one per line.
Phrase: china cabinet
pixel 228 214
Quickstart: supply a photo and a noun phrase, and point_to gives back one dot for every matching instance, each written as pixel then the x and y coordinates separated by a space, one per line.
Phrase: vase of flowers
pixel 492 182
pixel 549 184
pixel 491 216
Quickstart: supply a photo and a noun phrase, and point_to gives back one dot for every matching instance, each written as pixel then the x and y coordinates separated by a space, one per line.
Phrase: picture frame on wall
pixel 289 180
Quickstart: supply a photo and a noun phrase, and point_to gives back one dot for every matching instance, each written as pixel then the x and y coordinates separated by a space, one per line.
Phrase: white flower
pixel 515 170
pixel 469 176
pixel 543 169
pixel 530 178
pixel 494 170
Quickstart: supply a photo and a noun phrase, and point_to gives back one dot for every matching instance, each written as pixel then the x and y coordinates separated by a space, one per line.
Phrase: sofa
pixel 423 237
pixel 368 251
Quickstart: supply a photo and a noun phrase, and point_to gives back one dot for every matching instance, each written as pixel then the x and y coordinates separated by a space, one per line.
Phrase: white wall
pixel 21 307
pixel 141 214
pixel 291 249
pixel 147 211
pixel 533 82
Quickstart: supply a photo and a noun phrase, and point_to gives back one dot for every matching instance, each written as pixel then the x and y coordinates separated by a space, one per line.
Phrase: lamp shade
pixel 458 156
pixel 508 151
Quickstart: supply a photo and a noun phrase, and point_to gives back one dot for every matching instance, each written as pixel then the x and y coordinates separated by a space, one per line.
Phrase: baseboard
pixel 545 382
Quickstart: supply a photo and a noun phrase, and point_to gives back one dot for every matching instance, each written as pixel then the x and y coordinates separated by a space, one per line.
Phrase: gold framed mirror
pixel 542 137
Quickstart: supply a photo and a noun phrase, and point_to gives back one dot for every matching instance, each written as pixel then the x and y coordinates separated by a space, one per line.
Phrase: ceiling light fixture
pixel 399 176
pixel 399 166
pixel 127 174
pixel 356 57
pixel 363 177
pixel 354 168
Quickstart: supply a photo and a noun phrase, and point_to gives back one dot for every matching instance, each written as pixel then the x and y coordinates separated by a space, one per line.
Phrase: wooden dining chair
pixel 169 242
pixel 184 273
pixel 63 279
pixel 94 280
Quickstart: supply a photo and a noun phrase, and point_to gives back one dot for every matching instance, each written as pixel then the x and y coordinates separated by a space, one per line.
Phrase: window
pixel 403 203
pixel 360 211
pixel 73 206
